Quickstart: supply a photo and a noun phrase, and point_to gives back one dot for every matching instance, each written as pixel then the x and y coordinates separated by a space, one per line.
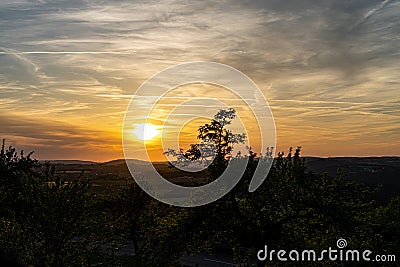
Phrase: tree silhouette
pixel 216 143
pixel 45 221
pixel 48 221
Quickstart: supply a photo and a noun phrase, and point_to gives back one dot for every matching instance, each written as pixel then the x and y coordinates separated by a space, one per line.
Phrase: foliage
pixel 216 143
pixel 45 221
pixel 294 208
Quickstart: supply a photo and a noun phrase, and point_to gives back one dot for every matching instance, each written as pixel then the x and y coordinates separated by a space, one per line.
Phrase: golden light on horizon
pixel 146 131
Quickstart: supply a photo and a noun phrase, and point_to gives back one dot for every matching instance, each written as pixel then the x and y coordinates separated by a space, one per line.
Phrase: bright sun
pixel 146 131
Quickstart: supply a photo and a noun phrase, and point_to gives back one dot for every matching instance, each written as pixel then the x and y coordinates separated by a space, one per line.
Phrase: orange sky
pixel 328 70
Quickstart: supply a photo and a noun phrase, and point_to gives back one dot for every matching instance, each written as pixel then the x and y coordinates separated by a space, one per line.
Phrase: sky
pixel 329 69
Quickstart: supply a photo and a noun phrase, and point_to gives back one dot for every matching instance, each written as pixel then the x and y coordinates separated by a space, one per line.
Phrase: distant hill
pixel 372 171
pixel 122 161
pixel 67 161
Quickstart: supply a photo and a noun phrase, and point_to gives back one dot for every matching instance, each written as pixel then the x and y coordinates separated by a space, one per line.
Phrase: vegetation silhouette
pixel 45 221
pixel 49 221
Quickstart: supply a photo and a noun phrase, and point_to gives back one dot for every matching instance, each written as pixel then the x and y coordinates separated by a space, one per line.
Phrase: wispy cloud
pixel 319 63
pixel 67 52
pixel 371 12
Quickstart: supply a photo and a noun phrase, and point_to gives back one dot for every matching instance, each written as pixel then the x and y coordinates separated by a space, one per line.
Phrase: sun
pixel 146 131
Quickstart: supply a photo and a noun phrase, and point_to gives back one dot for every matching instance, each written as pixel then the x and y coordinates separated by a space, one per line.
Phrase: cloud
pixel 316 61
pixel 16 67
pixel 371 12
pixel 51 137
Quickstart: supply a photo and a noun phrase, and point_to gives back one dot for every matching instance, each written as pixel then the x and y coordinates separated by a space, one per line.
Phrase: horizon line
pixel 160 161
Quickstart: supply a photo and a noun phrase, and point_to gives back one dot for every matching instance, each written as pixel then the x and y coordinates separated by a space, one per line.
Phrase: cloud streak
pixel 371 12
pixel 67 52
pixel 317 62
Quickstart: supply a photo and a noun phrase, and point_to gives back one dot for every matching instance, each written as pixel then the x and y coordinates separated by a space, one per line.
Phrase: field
pixel 374 171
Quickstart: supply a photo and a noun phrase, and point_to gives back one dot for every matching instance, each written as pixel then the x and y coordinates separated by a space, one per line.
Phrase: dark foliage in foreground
pixel 293 209
pixel 45 221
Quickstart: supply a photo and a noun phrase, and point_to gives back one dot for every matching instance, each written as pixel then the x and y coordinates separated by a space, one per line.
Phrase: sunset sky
pixel 330 70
